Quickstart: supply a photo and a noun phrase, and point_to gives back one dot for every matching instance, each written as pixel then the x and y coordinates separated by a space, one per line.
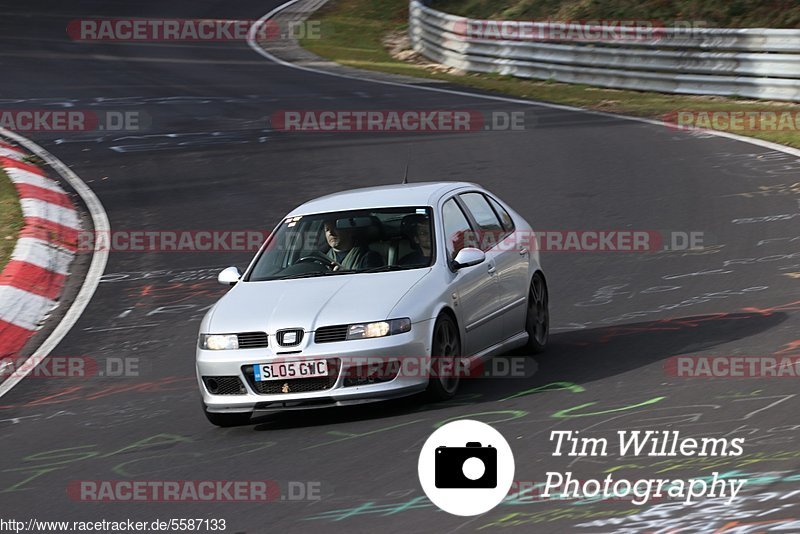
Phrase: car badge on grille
pixel 289 338
pixel 285 388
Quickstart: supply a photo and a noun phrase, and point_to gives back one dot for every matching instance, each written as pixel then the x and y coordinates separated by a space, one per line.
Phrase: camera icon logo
pixel 466 467
pixel 472 466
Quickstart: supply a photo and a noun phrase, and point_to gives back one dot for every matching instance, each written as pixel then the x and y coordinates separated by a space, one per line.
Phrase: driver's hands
pixel 333 265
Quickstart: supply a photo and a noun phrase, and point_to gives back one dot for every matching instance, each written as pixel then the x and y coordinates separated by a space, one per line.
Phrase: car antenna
pixel 405 175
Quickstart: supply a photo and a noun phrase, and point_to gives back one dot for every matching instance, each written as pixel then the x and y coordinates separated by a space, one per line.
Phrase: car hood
pixel 309 303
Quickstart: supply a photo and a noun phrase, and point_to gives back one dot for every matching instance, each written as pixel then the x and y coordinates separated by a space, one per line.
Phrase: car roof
pixel 385 196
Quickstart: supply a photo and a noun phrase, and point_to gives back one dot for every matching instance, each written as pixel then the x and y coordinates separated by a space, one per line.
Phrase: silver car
pixel 372 294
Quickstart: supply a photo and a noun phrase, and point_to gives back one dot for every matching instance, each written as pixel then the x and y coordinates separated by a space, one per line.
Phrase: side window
pixel 455 226
pixel 490 231
pixel 505 218
pixel 482 212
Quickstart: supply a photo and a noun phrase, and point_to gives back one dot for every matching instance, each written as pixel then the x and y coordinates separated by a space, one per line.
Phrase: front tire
pixel 228 419
pixel 445 359
pixel 537 323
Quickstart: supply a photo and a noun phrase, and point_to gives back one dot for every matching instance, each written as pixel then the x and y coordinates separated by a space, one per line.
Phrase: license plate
pixel 284 370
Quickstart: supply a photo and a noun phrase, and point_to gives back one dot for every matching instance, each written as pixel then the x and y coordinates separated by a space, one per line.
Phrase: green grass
pixel 353 32
pixel 10 219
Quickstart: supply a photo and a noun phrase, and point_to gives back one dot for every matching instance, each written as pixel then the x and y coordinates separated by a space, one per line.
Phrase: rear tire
pixel 228 419
pixel 537 323
pixel 445 359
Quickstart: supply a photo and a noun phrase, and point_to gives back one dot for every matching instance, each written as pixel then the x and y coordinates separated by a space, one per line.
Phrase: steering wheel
pixel 319 258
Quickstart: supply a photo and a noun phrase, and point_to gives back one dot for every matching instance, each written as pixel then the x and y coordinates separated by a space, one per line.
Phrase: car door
pixel 475 290
pixel 496 228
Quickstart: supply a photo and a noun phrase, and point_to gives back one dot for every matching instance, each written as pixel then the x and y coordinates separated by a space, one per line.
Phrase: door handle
pixel 491 269
pixel 523 251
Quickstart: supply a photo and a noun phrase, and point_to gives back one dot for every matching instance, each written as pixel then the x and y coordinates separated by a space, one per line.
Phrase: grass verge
pixel 354 33
pixel 10 219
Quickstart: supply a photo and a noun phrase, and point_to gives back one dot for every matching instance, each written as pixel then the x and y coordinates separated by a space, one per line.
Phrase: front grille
pixel 330 334
pixel 282 337
pixel 224 385
pixel 295 385
pixel 252 340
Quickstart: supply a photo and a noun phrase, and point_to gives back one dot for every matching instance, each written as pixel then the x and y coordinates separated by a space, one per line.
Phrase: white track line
pixel 251 41
pixel 98 265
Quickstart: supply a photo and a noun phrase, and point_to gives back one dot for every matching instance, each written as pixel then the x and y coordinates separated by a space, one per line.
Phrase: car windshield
pixel 347 242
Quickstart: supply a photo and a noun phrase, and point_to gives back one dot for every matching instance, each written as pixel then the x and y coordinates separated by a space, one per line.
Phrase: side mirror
pixel 229 276
pixel 467 257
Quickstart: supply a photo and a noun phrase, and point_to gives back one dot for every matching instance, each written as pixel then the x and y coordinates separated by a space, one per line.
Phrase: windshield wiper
pixel 314 274
pixel 386 268
pixel 381 269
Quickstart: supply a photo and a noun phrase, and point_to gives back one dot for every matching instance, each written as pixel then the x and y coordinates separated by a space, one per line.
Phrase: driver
pixel 348 255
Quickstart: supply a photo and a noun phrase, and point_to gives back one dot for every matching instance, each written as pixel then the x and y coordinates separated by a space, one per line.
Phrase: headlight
pixel 219 341
pixel 379 329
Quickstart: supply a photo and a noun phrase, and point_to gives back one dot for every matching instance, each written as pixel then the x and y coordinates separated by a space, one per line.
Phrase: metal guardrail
pixel 751 63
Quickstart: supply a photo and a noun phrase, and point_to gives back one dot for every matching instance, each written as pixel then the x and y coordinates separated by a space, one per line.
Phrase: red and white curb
pixel 93 274
pixel 31 282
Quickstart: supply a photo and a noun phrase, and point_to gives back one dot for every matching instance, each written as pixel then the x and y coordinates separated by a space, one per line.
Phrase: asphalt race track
pixel 210 161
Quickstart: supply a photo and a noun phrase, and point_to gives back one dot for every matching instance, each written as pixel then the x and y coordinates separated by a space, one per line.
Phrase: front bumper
pixel 414 345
